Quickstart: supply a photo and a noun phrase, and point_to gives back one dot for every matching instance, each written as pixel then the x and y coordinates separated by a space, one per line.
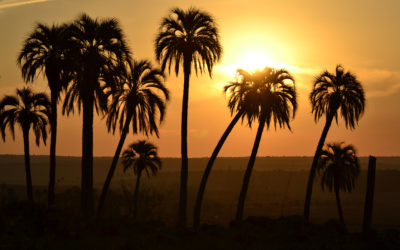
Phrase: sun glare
pixel 251 60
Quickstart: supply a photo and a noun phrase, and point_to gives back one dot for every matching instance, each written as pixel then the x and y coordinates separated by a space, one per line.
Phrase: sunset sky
pixel 306 37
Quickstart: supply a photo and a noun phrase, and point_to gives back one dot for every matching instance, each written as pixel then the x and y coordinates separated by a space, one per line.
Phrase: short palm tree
pixel 240 104
pixel 273 98
pixel 339 169
pixel 44 52
pixel 139 99
pixel 333 94
pixel 189 37
pixel 28 110
pixel 97 46
pixel 141 156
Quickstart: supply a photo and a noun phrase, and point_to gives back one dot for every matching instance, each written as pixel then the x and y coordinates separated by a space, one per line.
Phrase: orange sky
pixel 305 36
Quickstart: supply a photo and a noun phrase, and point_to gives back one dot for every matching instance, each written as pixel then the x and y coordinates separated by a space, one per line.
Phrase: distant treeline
pixel 69 166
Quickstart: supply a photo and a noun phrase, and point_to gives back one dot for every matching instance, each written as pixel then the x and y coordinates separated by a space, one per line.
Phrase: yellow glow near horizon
pixel 252 60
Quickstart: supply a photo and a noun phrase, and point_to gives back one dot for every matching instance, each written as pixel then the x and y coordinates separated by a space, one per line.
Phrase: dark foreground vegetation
pixel 26 226
pixel 274 199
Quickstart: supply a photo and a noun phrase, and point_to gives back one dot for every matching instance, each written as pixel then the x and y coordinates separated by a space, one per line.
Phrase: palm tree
pixel 333 94
pixel 97 46
pixel 272 99
pixel 27 109
pixel 140 98
pixel 189 37
pixel 44 52
pixel 339 169
pixel 240 102
pixel 140 156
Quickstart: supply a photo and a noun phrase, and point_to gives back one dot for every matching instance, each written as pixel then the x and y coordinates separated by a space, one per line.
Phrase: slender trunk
pixel 135 194
pixel 87 157
pixel 184 154
pixel 111 171
pixel 207 171
pixel 339 205
pixel 53 139
pixel 369 196
pixel 246 178
pixel 29 189
pixel 311 176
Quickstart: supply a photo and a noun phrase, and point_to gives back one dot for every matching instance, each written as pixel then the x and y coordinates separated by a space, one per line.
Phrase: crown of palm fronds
pixel 188 35
pixel 141 155
pixel 97 46
pixel 269 93
pixel 140 96
pixel 341 90
pixel 338 167
pixel 45 52
pixel 27 109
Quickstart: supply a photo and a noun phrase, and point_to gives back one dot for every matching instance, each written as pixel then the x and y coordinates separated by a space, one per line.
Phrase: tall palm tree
pixel 189 37
pixel 28 110
pixel 339 169
pixel 141 156
pixel 240 102
pixel 97 47
pixel 139 99
pixel 333 94
pixel 44 52
pixel 273 99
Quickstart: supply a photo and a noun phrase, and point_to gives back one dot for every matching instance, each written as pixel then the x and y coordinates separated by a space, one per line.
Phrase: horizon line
pixel 196 157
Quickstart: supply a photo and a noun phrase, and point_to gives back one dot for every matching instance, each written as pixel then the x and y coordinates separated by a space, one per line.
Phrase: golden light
pixel 252 60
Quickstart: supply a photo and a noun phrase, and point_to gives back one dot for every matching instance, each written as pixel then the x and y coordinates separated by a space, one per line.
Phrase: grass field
pixel 277 189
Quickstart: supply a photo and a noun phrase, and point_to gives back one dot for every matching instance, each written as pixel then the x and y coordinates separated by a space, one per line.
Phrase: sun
pixel 254 60
pixel 250 60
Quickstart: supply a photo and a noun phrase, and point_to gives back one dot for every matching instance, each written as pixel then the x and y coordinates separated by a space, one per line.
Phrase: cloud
pixel 16 3
pixel 379 82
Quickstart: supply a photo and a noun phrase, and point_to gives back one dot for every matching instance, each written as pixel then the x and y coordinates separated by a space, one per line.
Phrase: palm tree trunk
pixel 246 178
pixel 184 153
pixel 113 166
pixel 53 139
pixel 339 205
pixel 311 176
pixel 135 194
pixel 87 157
pixel 29 189
pixel 207 171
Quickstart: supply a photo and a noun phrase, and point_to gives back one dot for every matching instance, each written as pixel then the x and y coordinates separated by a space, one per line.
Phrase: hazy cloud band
pixel 9 4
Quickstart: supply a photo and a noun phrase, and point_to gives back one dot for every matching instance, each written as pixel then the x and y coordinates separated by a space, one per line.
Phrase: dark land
pixel 273 205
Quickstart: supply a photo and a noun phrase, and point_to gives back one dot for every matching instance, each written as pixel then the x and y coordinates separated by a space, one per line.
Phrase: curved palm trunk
pixel 135 195
pixel 87 157
pixel 53 139
pixel 207 171
pixel 339 205
pixel 113 166
pixel 311 176
pixel 246 178
pixel 184 154
pixel 29 189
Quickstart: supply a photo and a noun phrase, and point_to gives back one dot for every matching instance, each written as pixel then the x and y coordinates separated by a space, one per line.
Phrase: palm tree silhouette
pixel 333 94
pixel 27 109
pixel 339 169
pixel 240 103
pixel 97 47
pixel 140 156
pixel 273 98
pixel 139 98
pixel 190 37
pixel 44 52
